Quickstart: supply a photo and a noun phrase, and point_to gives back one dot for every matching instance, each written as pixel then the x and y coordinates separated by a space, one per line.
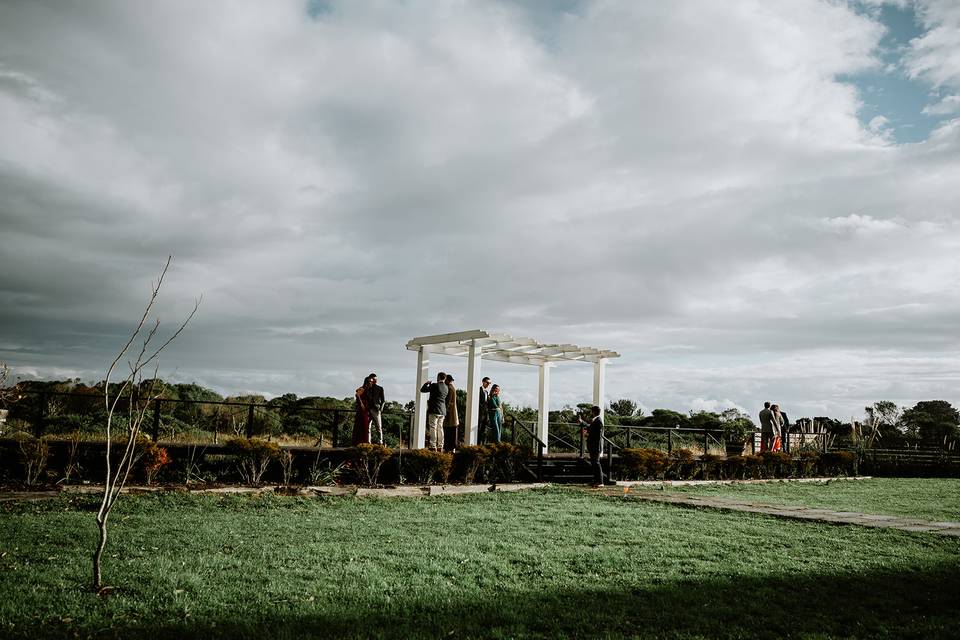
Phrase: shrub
pixel 776 464
pixel 711 466
pixel 752 467
pixel 806 463
pixel 154 458
pixel 643 464
pixel 253 457
pixel 505 461
pixel 426 466
pixel 733 468
pixel 325 473
pixel 366 460
pixel 34 453
pixel 835 463
pixel 467 461
pixel 682 464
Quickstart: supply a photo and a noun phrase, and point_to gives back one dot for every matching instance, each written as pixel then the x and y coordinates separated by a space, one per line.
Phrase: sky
pixel 749 200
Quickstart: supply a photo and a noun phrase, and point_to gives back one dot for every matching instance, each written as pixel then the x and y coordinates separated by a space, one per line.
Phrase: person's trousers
pixel 496 426
pixel 766 441
pixel 450 438
pixel 482 427
pixel 376 426
pixel 434 431
pixel 595 464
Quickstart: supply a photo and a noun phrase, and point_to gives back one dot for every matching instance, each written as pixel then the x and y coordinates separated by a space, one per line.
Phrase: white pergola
pixel 478 345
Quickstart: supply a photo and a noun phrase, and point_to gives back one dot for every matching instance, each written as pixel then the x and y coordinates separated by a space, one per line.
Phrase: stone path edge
pixel 877 521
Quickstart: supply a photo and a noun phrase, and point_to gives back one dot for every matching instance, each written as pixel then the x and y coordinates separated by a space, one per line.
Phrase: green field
pixel 925 498
pixel 548 564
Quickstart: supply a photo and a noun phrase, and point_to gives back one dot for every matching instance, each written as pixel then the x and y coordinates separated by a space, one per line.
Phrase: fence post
pixel 669 441
pixel 753 443
pixel 582 438
pixel 156 419
pixel 705 443
pixel 336 428
pixel 513 430
pixel 249 421
pixel 38 427
pixel 629 437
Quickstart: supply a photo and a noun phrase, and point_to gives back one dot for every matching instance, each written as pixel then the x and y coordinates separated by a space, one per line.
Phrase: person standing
pixel 451 421
pixel 375 401
pixel 436 410
pixel 483 413
pixel 361 418
pixel 766 428
pixel 594 431
pixel 495 413
pixel 784 430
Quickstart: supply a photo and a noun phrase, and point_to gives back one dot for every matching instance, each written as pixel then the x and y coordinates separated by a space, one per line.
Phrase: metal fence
pixel 197 421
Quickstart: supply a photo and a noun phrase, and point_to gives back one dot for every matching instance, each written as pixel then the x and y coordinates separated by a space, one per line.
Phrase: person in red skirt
pixel 361 420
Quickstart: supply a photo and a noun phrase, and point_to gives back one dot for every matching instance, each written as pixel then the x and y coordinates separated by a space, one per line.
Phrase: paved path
pixel 795 513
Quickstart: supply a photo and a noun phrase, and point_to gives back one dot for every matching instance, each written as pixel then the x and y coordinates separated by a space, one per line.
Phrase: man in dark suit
pixel 483 416
pixel 436 411
pixel 375 400
pixel 594 431
pixel 766 428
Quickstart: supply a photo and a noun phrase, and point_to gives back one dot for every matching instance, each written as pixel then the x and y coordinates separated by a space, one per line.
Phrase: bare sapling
pixel 132 414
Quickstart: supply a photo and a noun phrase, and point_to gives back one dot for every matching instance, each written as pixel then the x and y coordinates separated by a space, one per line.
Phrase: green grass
pixel 925 498
pixel 546 564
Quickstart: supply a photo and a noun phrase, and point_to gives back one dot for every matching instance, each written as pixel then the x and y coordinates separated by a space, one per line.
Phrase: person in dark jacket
pixel 451 423
pixel 766 428
pixel 436 410
pixel 375 400
pixel 594 431
pixel 483 415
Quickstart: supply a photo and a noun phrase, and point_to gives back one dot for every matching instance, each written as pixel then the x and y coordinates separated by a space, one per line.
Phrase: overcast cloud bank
pixel 687 183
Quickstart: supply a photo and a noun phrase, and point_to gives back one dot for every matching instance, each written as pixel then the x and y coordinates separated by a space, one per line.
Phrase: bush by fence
pixel 683 464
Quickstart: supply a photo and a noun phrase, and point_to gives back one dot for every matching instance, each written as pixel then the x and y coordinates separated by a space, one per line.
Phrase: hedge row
pixel 684 464
pixel 253 461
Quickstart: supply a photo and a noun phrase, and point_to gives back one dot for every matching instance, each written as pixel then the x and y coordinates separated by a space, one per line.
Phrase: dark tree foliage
pixel 624 407
pixel 931 421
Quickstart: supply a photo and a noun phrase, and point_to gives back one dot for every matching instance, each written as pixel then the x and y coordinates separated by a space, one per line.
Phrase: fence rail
pixel 183 420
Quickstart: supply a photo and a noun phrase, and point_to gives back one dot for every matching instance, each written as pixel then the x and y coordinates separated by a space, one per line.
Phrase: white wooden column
pixel 599 384
pixel 543 407
pixel 419 437
pixel 472 421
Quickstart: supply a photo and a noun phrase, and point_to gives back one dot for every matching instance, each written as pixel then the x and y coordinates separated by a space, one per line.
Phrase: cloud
pixel 683 182
pixel 935 56
pixel 946 106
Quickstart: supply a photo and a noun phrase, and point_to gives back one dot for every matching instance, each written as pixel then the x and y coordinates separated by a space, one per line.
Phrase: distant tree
pixel 706 420
pixel 624 407
pixel 667 419
pixel 883 418
pixel 931 421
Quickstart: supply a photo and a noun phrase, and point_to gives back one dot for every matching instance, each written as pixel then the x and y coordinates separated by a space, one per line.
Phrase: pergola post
pixel 599 384
pixel 472 421
pixel 419 438
pixel 543 407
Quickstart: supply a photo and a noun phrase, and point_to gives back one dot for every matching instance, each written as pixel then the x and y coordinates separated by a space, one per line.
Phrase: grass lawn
pixel 548 564
pixel 926 498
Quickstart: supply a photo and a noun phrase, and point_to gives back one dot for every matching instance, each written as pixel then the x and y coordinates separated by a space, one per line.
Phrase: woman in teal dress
pixel 495 408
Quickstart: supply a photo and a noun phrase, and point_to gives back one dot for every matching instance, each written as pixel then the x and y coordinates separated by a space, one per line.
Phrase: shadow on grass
pixel 920 604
